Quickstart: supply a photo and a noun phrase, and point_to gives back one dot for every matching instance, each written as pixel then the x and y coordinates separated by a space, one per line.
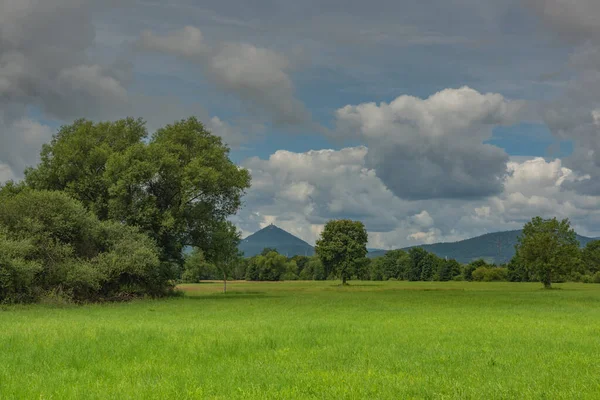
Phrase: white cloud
pixel 423 219
pixel 434 148
pixel 301 191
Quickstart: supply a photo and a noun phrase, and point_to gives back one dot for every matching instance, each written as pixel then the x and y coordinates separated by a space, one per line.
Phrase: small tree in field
pixel 548 248
pixel 342 247
pixel 223 252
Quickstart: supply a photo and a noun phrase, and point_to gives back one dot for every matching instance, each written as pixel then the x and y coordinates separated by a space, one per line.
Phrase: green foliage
pixel 301 262
pixel 177 186
pixel 429 266
pixel 270 267
pixel 291 271
pixel 342 247
pixel 394 264
pixel 449 269
pixel 548 248
pixel 590 257
pixel 517 272
pixel 17 273
pixel 196 268
pixel 490 274
pixel 313 270
pixel 273 267
pixel 268 250
pixel 222 250
pixel 472 266
pixel 50 241
pixel 417 255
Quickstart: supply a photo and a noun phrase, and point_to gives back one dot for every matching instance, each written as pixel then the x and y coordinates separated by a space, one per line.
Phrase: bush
pixel 586 279
pixel 489 274
pixel 270 267
pixel 596 277
pixel 197 269
pixel 17 274
pixel 50 242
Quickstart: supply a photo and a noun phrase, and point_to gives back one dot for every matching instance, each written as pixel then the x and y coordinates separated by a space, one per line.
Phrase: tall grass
pixel 311 340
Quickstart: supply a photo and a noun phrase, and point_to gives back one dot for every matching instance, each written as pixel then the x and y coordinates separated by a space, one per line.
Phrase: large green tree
pixel 177 185
pixel 548 248
pixel 342 247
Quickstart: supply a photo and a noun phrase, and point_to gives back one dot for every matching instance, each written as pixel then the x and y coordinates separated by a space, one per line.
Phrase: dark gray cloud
pixel 44 64
pixel 259 76
pixel 574 114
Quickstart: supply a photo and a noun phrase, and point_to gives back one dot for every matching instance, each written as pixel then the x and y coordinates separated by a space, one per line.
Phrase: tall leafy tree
pixel 342 247
pixel 416 254
pixel 429 266
pixel 177 186
pixel 448 270
pixel 548 248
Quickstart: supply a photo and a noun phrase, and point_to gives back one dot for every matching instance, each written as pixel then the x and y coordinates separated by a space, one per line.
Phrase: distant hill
pixel 272 236
pixel 498 247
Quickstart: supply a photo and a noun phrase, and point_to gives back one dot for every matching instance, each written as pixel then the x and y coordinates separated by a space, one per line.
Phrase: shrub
pixel 196 268
pixel 489 274
pixel 17 274
pixel 596 277
pixel 50 242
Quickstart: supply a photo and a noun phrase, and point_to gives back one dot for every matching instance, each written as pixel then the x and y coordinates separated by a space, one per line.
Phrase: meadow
pixel 287 340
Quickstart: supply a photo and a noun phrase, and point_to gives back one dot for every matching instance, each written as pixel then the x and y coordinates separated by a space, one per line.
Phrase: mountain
pixel 273 237
pixel 498 247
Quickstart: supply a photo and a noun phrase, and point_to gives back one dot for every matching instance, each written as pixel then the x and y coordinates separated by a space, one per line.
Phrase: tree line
pixel 547 252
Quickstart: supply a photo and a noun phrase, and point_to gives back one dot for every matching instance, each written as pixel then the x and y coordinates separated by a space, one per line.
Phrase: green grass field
pixel 393 340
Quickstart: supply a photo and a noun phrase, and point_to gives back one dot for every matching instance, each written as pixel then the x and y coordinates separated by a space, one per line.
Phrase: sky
pixel 429 121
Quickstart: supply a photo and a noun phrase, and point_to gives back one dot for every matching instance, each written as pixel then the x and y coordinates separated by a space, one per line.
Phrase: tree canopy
pixel 177 186
pixel 548 248
pixel 342 247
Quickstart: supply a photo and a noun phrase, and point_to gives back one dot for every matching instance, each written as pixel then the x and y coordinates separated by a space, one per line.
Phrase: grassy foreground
pixel 312 340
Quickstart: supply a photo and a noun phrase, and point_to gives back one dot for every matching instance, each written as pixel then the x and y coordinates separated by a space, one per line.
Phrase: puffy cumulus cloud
pixel 259 76
pixel 305 190
pixel 300 192
pixel 434 147
pixel 423 219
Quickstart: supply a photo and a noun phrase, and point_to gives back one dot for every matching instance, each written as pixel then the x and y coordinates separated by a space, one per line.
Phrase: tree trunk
pixel 224 283
pixel 547 281
pixel 343 280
